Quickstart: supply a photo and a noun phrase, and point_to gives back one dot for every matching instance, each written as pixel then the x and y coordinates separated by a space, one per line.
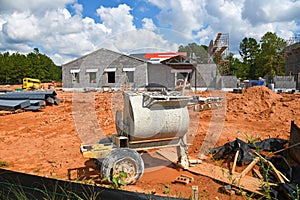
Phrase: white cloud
pixel 118 19
pixel 78 8
pixel 148 24
pixel 184 16
pixel 21 27
pixel 36 6
pixel 134 40
pixel 202 20
pixel 65 35
pixel 264 11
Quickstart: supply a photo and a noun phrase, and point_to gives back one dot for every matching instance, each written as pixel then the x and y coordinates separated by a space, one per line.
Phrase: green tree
pixel 249 51
pixel 5 68
pixel 42 67
pixel 272 56
pixel 195 50
pixel 236 67
pixel 14 67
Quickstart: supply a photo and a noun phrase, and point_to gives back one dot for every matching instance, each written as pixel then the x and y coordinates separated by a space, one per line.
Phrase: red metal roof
pixel 164 55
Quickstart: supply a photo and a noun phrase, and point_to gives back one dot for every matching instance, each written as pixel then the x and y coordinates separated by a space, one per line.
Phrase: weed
pixel 117 181
pixel 89 194
pixel 167 189
pixel 37 170
pixel 297 194
pixel 56 193
pixel 3 164
pixel 179 195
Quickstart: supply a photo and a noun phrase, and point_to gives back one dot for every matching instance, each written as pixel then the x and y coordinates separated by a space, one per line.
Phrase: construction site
pixel 47 143
pixel 152 126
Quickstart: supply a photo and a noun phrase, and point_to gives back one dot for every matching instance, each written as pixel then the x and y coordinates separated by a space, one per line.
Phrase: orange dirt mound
pixel 257 102
pixel 261 93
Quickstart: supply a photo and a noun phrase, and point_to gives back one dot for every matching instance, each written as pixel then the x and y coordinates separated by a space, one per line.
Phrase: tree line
pixel 14 67
pixel 257 58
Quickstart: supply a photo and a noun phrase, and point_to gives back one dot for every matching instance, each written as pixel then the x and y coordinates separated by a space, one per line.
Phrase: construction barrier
pixel 16 185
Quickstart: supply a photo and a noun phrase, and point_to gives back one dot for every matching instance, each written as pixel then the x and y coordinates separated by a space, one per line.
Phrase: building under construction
pixel 293 59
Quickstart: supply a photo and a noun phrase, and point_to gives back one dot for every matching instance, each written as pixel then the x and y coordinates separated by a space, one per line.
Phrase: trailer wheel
pixel 123 160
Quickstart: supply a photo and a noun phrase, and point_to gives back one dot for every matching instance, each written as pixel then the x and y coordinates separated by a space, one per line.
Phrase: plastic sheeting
pixel 246 155
pixel 228 151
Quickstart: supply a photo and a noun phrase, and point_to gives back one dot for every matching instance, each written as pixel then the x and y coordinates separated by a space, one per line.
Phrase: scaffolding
pixel 218 51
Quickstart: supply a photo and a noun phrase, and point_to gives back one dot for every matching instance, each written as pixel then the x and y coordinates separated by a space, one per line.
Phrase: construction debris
pixel 247 183
pixel 27 101
pixel 184 179
pixel 205 103
pixel 246 155
pixel 274 172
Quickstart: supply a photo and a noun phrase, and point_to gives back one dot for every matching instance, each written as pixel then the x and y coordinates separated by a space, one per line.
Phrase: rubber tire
pixel 118 155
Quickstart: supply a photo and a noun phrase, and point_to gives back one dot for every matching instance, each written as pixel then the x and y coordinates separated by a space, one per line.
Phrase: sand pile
pixel 256 102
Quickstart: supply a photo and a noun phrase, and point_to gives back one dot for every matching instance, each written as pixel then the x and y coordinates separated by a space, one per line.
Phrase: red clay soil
pixel 46 143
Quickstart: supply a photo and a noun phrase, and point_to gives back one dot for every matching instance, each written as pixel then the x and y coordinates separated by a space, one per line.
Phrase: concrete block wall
pixel 284 82
pixel 293 62
pixel 102 59
pixel 161 74
pixel 207 76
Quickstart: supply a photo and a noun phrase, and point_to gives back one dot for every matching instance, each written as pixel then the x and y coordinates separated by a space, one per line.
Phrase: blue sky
pixel 140 9
pixel 68 29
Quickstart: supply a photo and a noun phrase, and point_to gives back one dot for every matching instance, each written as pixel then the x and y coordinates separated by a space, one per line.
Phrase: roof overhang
pixel 131 69
pixel 181 70
pixel 91 70
pixel 110 69
pixel 75 71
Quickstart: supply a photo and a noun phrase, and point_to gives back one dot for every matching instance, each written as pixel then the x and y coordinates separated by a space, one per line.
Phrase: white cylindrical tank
pixel 155 116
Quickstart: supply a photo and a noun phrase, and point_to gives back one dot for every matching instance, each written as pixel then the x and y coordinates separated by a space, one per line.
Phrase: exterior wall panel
pixel 161 74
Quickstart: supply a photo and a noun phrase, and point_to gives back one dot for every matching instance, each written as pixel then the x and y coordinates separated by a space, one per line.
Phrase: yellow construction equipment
pixel 31 84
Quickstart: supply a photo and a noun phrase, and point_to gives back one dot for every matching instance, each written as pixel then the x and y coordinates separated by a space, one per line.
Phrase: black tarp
pixel 228 150
pixel 271 144
pixel 246 155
